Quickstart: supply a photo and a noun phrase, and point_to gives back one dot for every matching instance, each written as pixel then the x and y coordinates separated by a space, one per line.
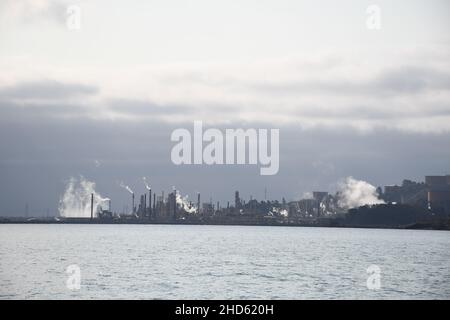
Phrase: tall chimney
pixel 92 206
pixel 132 203
pixel 174 200
pixel 150 202
pixel 198 203
pixel 144 209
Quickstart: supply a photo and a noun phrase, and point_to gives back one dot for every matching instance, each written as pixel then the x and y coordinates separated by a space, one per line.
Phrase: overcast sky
pixel 103 100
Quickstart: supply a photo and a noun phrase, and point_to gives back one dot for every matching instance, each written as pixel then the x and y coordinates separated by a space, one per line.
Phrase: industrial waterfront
pixel 411 205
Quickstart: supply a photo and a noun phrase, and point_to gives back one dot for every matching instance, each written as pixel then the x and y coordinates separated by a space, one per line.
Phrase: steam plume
pixel 76 200
pixel 126 187
pixel 146 184
pixel 355 193
pixel 184 203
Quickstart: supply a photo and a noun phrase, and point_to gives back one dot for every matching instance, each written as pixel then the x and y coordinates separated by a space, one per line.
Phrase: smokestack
pixel 175 204
pixel 92 206
pixel 198 203
pixel 144 209
pixel 150 202
pixel 132 203
pixel 154 203
pixel 237 200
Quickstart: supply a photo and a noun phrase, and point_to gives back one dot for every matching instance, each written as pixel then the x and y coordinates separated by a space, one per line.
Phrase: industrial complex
pixel 409 205
pixel 423 202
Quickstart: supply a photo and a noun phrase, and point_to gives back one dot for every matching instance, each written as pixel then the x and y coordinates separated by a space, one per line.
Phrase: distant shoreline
pixel 326 223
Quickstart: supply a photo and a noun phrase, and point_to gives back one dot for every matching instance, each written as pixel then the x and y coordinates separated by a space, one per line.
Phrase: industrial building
pixel 438 193
pixel 409 192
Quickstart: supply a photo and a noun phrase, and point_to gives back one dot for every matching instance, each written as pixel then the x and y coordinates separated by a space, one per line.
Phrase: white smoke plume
pixel 278 212
pixel 284 213
pixel 146 183
pixel 76 200
pixel 356 193
pixel 126 187
pixel 183 202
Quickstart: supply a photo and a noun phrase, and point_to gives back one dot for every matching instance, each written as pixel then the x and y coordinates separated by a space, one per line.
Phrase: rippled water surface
pixel 221 262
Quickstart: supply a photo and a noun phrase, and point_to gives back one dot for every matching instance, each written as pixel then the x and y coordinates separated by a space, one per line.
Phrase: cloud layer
pixel 403 97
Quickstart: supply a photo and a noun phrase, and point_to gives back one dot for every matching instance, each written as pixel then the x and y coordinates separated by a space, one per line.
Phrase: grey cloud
pixel 40 101
pixel 47 90
pixel 145 108
pixel 412 79
pixel 29 11
pixel 372 112
pixel 142 108
pixel 24 112
pixel 350 112
pixel 401 80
